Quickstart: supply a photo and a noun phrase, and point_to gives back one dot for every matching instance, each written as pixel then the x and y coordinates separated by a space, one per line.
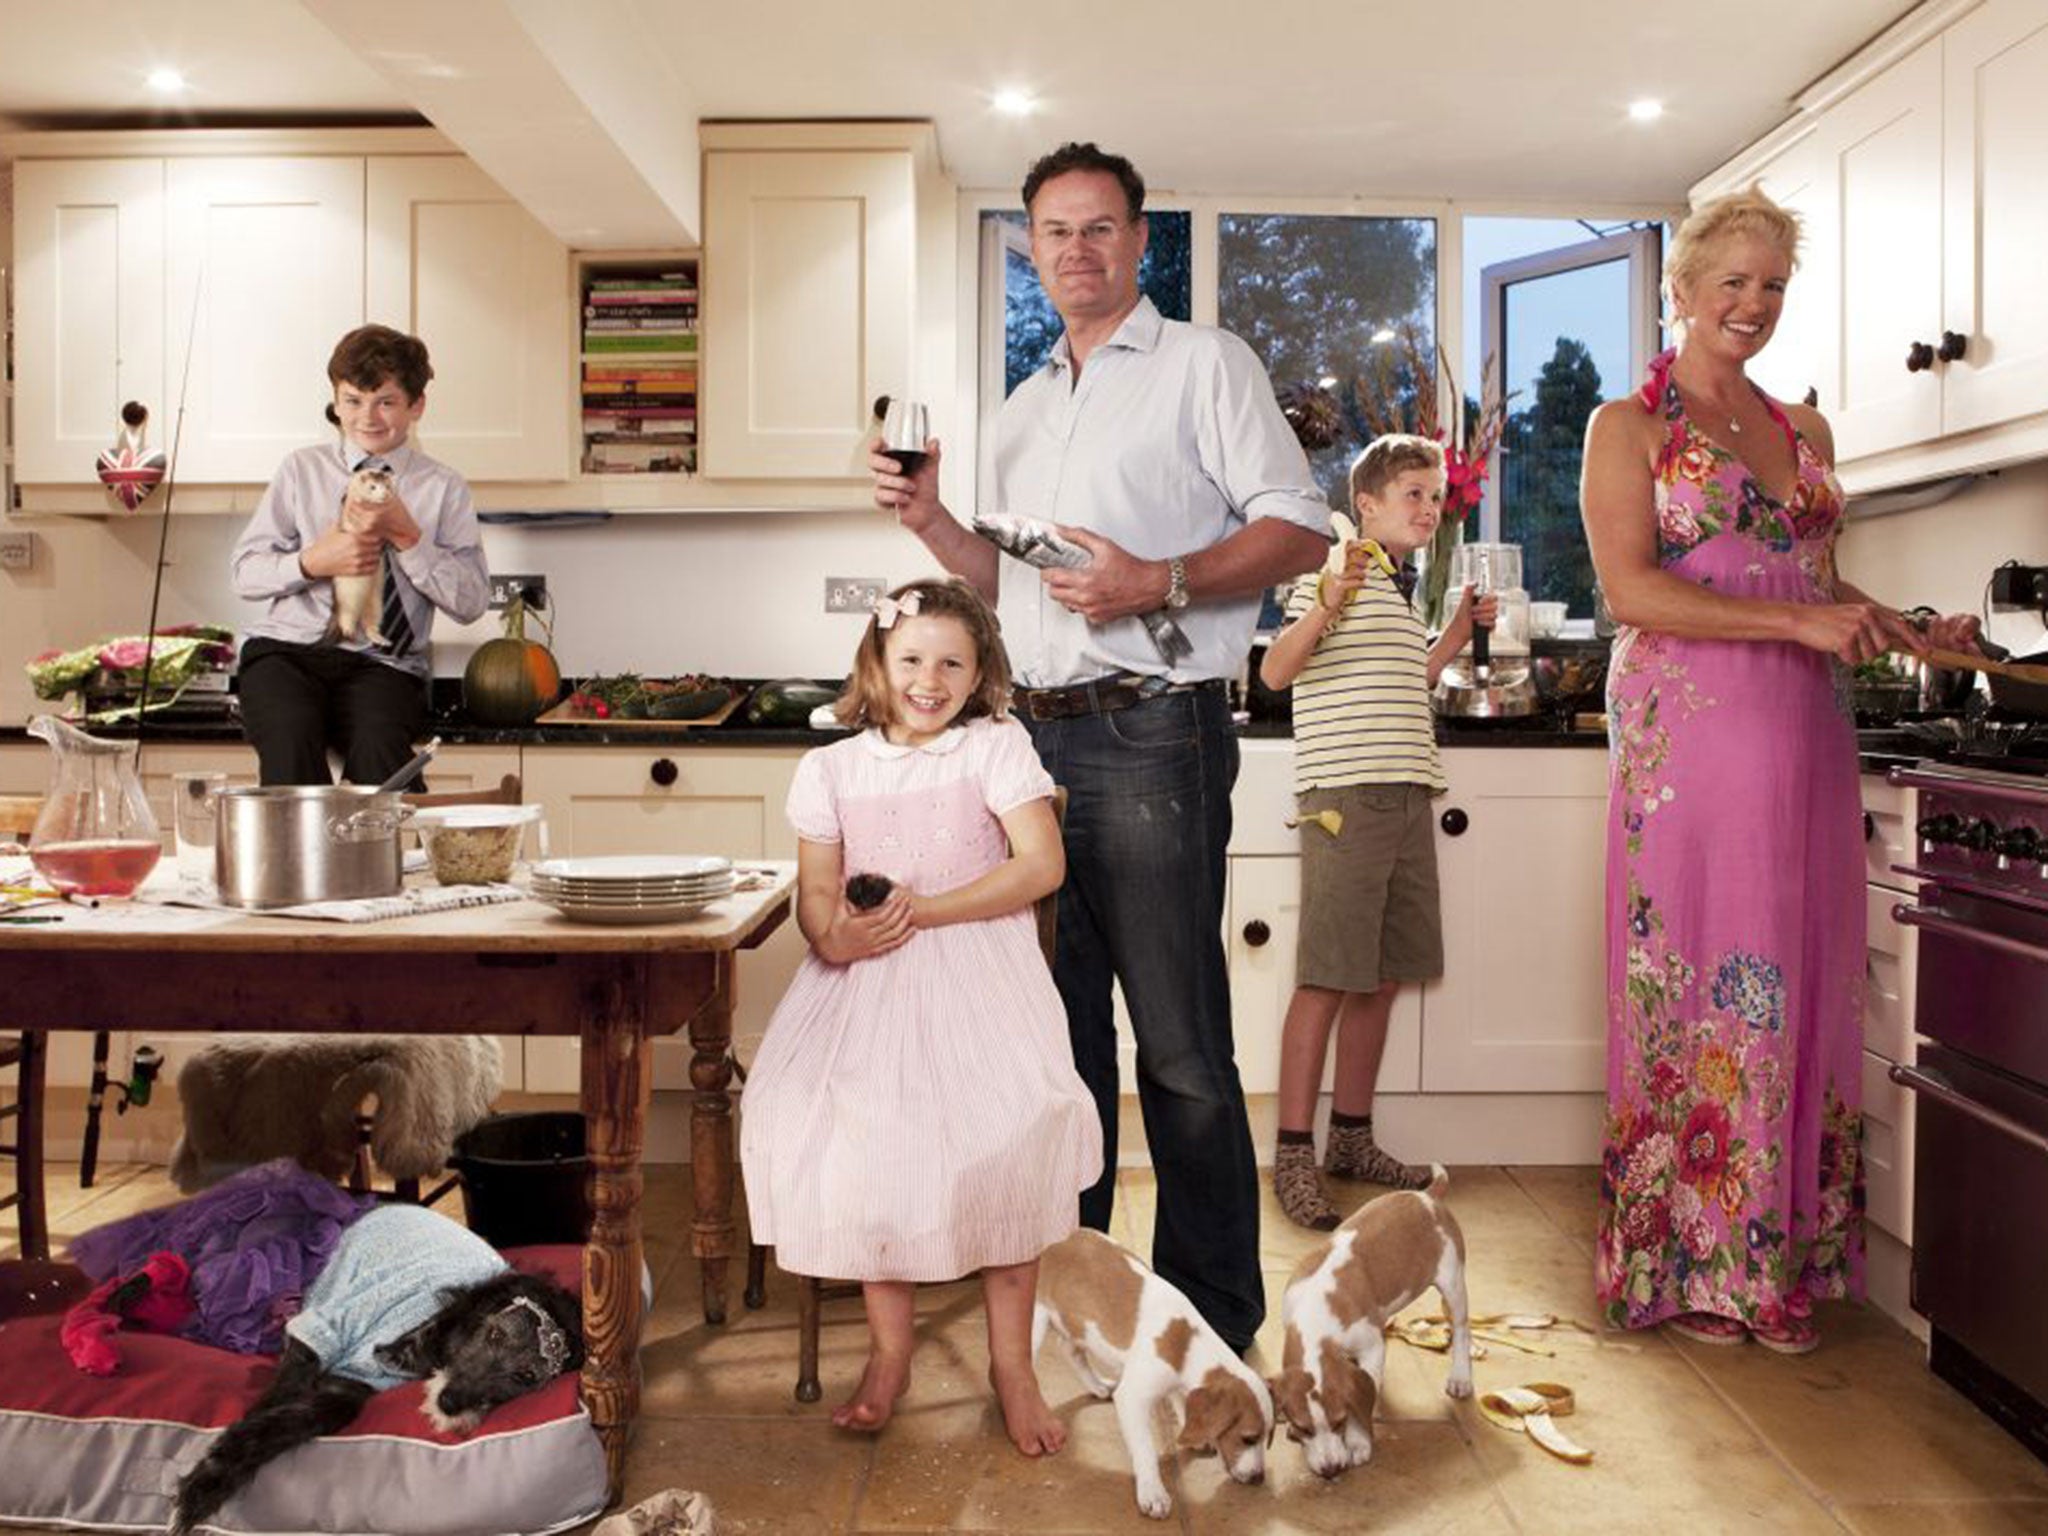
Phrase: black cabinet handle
pixel 1869 826
pixel 1454 822
pixel 1919 357
pixel 1256 932
pixel 1953 345
pixel 663 772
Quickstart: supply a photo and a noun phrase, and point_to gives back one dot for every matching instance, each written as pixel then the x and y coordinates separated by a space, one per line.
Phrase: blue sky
pixel 1590 306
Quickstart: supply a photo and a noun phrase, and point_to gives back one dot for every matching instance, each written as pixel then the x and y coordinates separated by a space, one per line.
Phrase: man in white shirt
pixel 1158 447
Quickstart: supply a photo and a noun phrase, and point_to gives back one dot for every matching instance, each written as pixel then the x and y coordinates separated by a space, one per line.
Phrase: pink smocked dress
pixel 1733 1180
pixel 917 1115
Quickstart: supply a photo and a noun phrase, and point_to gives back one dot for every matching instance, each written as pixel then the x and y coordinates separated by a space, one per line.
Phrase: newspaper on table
pixel 1037 544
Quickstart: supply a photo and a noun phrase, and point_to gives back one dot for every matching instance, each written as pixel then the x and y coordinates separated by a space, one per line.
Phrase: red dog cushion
pixel 108 1451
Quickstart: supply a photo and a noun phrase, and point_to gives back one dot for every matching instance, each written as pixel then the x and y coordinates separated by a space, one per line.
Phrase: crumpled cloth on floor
pixel 672 1512
pixel 255 1242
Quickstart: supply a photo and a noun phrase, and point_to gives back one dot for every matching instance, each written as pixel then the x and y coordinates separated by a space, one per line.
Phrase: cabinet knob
pixel 1869 827
pixel 663 772
pixel 1256 932
pixel 1919 357
pixel 134 413
pixel 1953 344
pixel 1454 822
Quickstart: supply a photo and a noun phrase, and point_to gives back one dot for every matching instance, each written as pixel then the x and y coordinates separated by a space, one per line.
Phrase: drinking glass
pixel 906 426
pixel 195 801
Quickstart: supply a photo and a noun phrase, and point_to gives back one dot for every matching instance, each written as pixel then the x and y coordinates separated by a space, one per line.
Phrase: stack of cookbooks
pixel 640 369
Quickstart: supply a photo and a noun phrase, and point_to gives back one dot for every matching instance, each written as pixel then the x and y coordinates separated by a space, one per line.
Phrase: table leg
pixel 617 1076
pixel 711 1148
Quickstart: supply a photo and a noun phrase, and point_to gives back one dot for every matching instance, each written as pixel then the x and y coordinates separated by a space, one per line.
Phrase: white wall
pixel 1943 555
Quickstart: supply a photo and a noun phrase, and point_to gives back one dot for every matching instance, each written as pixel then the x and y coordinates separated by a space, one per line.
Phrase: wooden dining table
pixel 518 968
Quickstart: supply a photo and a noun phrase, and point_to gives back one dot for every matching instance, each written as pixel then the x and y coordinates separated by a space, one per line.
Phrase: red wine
pixel 107 866
pixel 908 460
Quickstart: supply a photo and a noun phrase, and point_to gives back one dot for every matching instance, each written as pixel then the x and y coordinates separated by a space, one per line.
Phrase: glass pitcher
pixel 95 836
pixel 1504 655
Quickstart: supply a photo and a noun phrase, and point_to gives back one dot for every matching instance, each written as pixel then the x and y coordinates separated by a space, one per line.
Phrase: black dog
pixel 488 1344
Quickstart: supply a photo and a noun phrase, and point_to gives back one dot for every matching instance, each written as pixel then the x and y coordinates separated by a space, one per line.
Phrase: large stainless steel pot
pixel 280 847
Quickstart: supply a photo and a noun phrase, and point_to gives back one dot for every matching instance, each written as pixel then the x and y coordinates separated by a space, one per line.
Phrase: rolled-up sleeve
pixel 1248 449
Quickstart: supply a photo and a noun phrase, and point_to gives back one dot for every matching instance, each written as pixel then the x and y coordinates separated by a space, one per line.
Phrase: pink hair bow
pixel 889 609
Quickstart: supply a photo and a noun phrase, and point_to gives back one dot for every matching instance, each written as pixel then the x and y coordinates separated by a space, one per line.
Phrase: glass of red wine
pixel 906 426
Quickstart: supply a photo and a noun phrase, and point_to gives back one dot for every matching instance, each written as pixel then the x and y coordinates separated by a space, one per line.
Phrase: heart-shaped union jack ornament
pixel 129 469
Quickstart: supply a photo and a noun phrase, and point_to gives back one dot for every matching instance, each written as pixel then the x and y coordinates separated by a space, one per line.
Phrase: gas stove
pixel 1978 741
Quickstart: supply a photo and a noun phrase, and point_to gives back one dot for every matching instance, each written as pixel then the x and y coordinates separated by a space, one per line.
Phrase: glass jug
pixel 95 836
pixel 1499 657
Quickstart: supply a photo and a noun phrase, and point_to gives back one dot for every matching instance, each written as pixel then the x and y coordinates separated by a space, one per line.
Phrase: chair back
pixel 506 792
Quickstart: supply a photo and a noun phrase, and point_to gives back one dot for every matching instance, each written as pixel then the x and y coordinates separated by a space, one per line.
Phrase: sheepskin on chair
pixel 255 1097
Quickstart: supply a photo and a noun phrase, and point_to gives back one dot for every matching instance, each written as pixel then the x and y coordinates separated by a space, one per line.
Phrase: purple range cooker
pixel 1980 1085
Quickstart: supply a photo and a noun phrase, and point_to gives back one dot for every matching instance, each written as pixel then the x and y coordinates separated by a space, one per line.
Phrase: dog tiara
pixel 554 1344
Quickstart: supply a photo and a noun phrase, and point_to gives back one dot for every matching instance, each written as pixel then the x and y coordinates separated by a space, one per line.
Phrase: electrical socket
pixel 505 588
pixel 17 550
pixel 853 594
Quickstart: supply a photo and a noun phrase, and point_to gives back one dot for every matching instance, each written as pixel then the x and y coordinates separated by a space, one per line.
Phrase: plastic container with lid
pixel 476 844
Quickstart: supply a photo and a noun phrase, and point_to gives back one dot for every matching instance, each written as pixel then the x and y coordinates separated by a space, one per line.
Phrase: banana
pixel 1340 552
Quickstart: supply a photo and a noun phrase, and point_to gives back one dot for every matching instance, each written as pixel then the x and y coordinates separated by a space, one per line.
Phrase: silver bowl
pixel 1570 683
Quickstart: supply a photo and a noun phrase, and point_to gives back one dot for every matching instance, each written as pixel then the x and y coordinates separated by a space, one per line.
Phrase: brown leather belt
pixel 1100 695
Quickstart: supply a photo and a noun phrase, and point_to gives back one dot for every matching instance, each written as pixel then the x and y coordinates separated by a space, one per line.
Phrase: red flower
pixel 1666 1080
pixel 1703 1148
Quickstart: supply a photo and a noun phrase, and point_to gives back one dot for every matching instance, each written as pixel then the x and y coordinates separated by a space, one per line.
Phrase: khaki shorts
pixel 1369 905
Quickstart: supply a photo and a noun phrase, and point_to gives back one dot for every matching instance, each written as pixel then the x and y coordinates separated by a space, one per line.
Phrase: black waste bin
pixel 525 1179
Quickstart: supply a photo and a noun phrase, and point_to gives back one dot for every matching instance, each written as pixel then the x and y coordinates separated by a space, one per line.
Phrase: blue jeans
pixel 1148 820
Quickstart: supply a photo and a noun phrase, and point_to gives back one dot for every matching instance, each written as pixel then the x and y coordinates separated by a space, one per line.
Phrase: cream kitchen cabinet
pixel 452 258
pixel 809 293
pixel 1889 812
pixel 715 800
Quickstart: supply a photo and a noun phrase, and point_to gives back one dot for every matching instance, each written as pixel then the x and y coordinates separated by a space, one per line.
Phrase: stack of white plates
pixel 632 888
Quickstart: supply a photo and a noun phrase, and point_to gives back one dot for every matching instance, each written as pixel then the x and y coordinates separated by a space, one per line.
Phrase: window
pixel 1562 327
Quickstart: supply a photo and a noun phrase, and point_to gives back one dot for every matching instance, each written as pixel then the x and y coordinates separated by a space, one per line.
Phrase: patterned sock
pixel 1354 1155
pixel 1298 1185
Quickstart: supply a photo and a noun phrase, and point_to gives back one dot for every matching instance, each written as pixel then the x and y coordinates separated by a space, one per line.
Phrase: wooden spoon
pixel 2019 671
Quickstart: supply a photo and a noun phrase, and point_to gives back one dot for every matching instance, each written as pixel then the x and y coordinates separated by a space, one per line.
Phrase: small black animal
pixel 488 1344
pixel 864 892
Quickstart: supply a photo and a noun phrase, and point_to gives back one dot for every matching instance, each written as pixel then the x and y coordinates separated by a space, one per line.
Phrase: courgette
pixel 787 701
pixel 689 704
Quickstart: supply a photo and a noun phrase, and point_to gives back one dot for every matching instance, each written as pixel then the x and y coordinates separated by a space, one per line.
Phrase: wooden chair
pixel 21 1117
pixel 812 1292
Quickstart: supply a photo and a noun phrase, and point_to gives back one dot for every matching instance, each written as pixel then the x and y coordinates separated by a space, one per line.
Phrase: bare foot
pixel 884 1380
pixel 1034 1428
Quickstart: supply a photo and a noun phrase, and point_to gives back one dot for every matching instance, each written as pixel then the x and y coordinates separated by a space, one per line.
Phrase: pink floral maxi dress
pixel 916 1115
pixel 1732 1181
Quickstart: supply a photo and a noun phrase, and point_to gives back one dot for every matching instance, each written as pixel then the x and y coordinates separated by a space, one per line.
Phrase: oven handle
pixel 1934 920
pixel 1943 1091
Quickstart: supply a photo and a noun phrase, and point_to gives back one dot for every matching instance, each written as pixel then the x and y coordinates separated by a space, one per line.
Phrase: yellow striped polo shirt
pixel 1361 704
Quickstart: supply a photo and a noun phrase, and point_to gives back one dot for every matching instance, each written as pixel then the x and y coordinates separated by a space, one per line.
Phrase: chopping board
pixel 566 714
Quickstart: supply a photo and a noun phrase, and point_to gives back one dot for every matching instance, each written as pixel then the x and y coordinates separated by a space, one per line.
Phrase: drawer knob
pixel 663 772
pixel 1454 822
pixel 1256 932
pixel 1953 345
pixel 1869 827
pixel 1919 357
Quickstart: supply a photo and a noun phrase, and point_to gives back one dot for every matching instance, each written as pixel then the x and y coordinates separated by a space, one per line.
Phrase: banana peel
pixel 1330 819
pixel 1340 553
pixel 1533 1409
pixel 1433 1332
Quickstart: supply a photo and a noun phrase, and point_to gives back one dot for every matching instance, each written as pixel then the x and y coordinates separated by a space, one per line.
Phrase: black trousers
pixel 300 700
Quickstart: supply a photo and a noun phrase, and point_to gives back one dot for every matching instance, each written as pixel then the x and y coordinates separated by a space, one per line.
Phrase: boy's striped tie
pixel 396 627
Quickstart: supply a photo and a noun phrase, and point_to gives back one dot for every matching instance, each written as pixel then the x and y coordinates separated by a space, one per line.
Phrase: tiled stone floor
pixel 1857 1437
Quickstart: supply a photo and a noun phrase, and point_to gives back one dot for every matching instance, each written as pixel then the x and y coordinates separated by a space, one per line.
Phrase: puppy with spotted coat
pixel 1336 1308
pixel 1138 1341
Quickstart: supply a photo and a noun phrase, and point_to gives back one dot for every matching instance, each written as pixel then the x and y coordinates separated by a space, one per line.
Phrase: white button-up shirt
pixel 1171 443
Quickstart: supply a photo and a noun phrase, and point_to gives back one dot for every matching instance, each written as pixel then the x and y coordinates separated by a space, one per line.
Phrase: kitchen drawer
pixel 1887 1150
pixel 1889 979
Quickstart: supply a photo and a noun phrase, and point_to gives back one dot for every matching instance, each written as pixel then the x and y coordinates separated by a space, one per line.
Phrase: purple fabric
pixel 1732 1181
pixel 255 1242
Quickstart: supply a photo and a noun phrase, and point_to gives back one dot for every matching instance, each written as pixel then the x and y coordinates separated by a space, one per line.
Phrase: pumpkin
pixel 510 679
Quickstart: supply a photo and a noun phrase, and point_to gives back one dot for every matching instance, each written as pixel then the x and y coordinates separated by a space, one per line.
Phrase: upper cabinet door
pixel 1881 150
pixel 808 290
pixel 267 255
pixel 1808 331
pixel 455 261
pixel 89 311
pixel 1995 194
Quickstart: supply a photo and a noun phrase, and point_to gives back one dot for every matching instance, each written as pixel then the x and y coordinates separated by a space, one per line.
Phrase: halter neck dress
pixel 1732 1180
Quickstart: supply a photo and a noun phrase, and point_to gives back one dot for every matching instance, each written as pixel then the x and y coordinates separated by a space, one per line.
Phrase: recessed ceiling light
pixel 166 81
pixel 1014 103
pixel 1646 111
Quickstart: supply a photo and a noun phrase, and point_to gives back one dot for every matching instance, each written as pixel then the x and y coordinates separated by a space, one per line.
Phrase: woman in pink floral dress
pixel 1732 1184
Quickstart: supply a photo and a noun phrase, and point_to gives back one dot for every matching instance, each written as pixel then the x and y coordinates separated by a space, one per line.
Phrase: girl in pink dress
pixel 914 1113
pixel 1731 1195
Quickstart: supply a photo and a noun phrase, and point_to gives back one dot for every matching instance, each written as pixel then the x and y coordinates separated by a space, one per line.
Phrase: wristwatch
pixel 1176 584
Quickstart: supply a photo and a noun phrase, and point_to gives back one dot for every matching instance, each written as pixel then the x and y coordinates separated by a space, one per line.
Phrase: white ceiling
pixel 1515 100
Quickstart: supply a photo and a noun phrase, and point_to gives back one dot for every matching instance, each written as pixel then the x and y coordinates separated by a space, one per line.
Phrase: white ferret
pixel 358 600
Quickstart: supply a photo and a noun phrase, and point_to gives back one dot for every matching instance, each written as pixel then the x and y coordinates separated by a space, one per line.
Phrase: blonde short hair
pixel 1388 457
pixel 866 699
pixel 1749 212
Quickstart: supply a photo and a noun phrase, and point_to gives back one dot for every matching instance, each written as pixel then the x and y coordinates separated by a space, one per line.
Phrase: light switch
pixel 17 550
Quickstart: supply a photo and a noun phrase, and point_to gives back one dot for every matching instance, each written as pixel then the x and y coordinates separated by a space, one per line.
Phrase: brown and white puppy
pixel 1336 1308
pixel 358 600
pixel 1137 1340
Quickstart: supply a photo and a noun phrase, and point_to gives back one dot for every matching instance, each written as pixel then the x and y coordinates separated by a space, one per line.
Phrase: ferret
pixel 359 600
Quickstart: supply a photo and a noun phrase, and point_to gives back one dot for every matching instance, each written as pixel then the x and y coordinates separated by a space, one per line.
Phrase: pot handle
pixel 369 825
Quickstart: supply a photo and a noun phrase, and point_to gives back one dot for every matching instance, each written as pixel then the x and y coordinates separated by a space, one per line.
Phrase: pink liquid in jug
pixel 107 866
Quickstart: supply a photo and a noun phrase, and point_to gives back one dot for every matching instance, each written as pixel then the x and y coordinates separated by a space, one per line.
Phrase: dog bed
pixel 107 1452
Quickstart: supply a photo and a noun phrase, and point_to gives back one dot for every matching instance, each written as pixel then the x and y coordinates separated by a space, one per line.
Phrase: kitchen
pixel 743 554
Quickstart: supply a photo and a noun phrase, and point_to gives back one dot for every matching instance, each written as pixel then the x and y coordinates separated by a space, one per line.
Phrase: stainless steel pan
pixel 279 847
